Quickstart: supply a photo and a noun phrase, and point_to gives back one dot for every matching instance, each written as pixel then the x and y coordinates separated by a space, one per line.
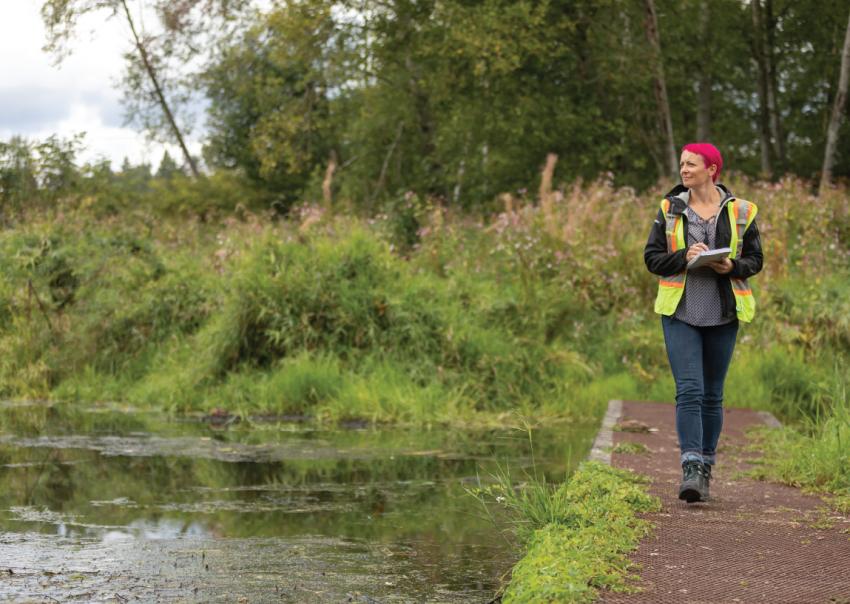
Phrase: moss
pixel 584 550
pixel 629 448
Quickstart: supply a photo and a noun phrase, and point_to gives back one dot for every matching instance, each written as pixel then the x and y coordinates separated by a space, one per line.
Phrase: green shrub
pixel 340 296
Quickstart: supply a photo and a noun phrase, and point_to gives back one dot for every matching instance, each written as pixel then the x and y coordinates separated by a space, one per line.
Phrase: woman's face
pixel 693 171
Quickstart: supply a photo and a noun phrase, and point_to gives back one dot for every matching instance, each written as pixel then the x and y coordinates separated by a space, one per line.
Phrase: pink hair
pixel 710 155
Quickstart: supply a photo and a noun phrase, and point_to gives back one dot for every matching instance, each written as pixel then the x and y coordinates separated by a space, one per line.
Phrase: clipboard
pixel 709 256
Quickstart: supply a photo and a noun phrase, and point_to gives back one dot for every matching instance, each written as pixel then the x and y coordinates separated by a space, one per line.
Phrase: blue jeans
pixel 699 358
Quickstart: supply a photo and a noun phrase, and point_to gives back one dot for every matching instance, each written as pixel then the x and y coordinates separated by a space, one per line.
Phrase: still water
pixel 113 505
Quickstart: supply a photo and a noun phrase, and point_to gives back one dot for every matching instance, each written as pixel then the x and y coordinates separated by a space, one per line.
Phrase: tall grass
pixel 815 453
pixel 417 315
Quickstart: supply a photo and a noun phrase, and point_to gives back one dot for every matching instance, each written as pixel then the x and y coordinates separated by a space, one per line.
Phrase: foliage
pixel 158 81
pixel 461 101
pixel 420 314
pixel 64 318
pixel 42 172
pixel 580 544
pixel 360 102
pixel 630 448
pixel 277 145
pixel 813 453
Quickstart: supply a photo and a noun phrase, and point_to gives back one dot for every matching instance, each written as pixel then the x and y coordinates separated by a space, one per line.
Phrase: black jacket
pixel 664 264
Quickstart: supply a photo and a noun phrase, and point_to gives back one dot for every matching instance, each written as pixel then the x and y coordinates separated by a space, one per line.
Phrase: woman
pixel 702 307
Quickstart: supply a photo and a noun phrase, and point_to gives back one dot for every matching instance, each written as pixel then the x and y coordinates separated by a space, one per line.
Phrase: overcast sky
pixel 38 99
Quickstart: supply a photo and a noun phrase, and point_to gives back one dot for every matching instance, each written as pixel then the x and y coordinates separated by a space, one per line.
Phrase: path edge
pixel 604 442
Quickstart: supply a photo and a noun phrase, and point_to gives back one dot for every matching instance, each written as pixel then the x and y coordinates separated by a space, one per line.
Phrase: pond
pixel 106 504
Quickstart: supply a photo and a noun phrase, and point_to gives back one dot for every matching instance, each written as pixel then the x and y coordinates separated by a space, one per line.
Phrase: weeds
pixel 630 448
pixel 419 315
pixel 579 544
pixel 815 452
pixel 576 534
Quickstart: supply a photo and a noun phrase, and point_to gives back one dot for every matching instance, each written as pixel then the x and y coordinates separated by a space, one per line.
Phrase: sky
pixel 38 99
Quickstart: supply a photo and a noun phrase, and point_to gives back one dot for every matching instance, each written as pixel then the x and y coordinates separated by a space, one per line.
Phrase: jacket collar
pixel 680 194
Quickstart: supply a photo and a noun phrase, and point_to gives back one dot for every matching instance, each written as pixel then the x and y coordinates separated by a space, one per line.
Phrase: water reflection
pixel 393 500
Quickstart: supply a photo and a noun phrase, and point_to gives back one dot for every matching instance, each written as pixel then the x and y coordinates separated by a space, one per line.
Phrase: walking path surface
pixel 752 542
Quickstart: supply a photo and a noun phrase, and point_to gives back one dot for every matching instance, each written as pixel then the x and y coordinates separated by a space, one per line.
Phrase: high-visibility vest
pixel 670 289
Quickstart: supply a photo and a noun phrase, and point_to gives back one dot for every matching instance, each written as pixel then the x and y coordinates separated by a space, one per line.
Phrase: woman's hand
pixel 695 251
pixel 721 267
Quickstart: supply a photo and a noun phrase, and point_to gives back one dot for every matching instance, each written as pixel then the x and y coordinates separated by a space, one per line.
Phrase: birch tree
pixel 660 87
pixel 705 75
pixel 762 79
pixel 776 130
pixel 182 22
pixel 837 113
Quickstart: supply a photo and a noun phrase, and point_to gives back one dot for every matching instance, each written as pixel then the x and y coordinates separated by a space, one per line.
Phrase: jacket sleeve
pixel 751 259
pixel 655 255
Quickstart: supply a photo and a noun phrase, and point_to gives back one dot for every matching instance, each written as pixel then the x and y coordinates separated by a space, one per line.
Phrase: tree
pixel 168 168
pixel 33 172
pixel 837 113
pixel 660 88
pixel 182 22
pixel 705 72
pixel 760 55
pixel 776 129
pixel 269 112
pixel 462 100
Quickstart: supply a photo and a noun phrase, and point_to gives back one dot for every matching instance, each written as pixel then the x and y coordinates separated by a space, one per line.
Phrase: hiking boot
pixel 694 485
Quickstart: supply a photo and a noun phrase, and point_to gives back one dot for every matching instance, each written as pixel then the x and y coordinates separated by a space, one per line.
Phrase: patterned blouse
pixel 700 305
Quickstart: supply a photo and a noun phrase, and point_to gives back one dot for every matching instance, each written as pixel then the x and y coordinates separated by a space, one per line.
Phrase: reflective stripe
pixel 741 215
pixel 671 287
pixel 671 234
pixel 740 287
pixel 735 237
pixel 676 280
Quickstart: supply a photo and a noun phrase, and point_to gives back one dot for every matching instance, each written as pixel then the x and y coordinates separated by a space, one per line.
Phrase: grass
pixel 813 454
pixel 630 448
pixel 420 318
pixel 577 536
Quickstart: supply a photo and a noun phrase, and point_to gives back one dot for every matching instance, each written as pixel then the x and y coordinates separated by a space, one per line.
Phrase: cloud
pixel 38 99
pixel 25 109
pixel 107 104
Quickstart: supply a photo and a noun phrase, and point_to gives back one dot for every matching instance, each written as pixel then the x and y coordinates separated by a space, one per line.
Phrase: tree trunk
pixel 143 53
pixel 704 84
pixel 761 64
pixel 773 88
pixel 660 88
pixel 837 114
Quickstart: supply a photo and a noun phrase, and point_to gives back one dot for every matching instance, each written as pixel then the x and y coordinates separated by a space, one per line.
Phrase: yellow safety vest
pixel 670 289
